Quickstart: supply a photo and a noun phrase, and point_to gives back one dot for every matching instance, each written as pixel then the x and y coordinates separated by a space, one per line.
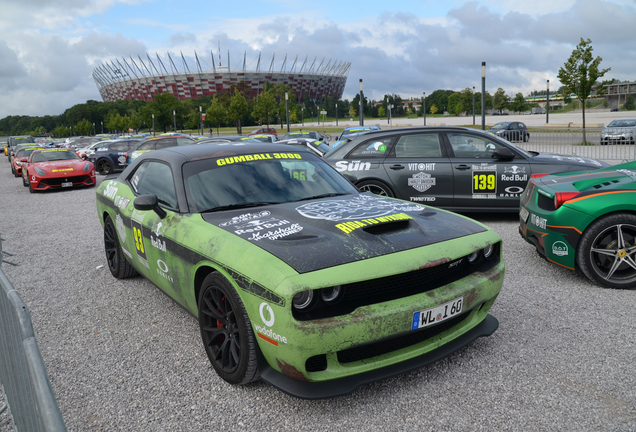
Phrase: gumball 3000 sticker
pixel 359 207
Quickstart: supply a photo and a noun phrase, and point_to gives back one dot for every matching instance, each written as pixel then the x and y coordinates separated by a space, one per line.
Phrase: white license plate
pixel 437 314
pixel 523 214
pixel 67 184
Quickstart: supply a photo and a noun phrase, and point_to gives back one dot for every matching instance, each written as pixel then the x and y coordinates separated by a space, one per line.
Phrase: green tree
pixel 433 109
pixel 238 109
pixel 466 97
pixel 84 127
pixel 216 113
pixel 455 103
pixel 352 111
pixel 518 104
pixel 500 100
pixel 264 107
pixel 581 72
pixel 629 103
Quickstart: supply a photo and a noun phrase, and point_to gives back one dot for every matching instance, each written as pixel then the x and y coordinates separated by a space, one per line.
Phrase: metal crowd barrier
pixel 570 142
pixel 29 399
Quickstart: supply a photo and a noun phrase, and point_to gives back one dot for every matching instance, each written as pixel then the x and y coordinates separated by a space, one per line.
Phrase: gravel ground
pixel 122 356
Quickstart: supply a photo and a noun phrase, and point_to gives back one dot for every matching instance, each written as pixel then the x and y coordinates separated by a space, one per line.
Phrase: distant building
pixel 143 79
pixel 615 94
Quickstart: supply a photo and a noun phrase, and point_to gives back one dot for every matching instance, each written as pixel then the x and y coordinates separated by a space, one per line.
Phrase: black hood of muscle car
pixel 559 159
pixel 312 235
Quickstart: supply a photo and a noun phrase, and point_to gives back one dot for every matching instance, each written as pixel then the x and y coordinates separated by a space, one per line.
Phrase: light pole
pixel 153 124
pixel 174 118
pixel 336 114
pixel 93 128
pixel 287 109
pixel 201 117
pixel 473 105
pixel 302 113
pixel 547 103
pixel 424 106
pixel 102 126
pixel 483 95
pixel 361 105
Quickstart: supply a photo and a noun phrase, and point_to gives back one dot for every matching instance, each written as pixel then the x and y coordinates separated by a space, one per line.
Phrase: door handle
pixel 462 167
pixel 397 167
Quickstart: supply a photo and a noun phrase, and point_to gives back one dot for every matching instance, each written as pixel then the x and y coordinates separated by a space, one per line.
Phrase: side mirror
pixel 23 159
pixel 503 153
pixel 149 202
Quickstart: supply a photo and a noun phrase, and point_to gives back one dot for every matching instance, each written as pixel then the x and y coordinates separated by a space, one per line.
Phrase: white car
pixel 619 131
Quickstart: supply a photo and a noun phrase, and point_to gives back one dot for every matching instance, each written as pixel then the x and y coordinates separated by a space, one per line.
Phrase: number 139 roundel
pixel 294 275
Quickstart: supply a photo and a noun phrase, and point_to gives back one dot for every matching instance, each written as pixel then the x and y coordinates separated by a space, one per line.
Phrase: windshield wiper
pixel 238 206
pixel 326 195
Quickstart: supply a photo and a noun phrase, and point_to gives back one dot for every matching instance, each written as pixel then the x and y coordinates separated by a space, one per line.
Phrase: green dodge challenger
pixel 295 276
pixel 585 220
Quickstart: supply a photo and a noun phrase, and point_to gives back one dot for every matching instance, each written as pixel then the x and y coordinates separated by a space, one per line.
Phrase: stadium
pixel 143 79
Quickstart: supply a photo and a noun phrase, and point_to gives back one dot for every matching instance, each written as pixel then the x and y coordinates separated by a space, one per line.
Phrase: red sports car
pixel 55 169
pixel 21 157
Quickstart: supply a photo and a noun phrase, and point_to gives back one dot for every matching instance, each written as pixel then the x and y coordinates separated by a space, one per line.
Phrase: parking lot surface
pixel 122 356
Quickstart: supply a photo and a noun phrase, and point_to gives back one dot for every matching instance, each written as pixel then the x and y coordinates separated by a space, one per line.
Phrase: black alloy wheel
pixel 104 166
pixel 117 264
pixel 375 187
pixel 607 251
pixel 226 331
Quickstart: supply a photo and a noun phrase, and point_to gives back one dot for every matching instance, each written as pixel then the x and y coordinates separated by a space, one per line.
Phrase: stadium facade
pixel 143 79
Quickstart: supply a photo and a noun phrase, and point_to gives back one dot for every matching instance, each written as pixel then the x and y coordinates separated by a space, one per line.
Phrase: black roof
pixel 212 150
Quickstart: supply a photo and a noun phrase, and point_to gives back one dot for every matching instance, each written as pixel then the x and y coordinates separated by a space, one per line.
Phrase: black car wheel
pixel 607 251
pixel 226 331
pixel 119 267
pixel 25 179
pixel 526 137
pixel 375 187
pixel 31 187
pixel 104 166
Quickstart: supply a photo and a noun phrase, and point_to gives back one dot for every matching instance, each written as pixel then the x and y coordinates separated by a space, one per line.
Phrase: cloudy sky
pixel 48 48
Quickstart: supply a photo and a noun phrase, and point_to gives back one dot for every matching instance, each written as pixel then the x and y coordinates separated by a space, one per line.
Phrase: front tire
pixel 607 251
pixel 226 331
pixel 104 166
pixel 375 187
pixel 119 267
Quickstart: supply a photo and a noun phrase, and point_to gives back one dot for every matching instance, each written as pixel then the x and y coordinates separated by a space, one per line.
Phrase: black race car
pixel 455 168
pixel 110 156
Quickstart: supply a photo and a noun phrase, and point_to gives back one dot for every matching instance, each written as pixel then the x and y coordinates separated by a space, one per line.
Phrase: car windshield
pixel 623 123
pixel 26 152
pixel 54 155
pixel 251 180
pixel 500 126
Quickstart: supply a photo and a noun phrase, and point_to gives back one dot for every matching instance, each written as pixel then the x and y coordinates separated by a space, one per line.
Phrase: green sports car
pixel 294 275
pixel 585 220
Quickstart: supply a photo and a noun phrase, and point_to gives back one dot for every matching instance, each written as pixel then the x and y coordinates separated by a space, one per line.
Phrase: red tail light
pixel 538 175
pixel 561 197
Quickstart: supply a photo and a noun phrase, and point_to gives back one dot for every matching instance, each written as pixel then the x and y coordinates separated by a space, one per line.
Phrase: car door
pixel 118 152
pixel 153 236
pixel 480 180
pixel 420 170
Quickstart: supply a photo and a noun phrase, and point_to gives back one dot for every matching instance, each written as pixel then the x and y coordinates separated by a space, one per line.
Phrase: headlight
pixel 473 257
pixel 489 252
pixel 303 300
pixel 87 167
pixel 18 163
pixel 39 171
pixel 332 294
